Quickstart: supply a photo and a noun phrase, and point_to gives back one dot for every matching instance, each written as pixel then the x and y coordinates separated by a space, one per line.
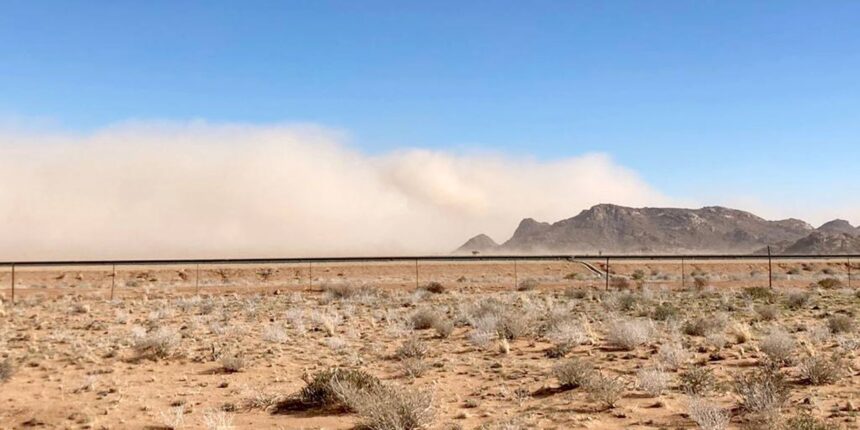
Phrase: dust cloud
pixel 196 189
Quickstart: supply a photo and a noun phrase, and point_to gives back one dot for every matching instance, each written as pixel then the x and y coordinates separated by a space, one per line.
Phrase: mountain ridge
pixel 609 228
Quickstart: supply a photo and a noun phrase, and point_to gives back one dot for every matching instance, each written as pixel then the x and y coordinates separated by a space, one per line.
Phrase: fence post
pixel 310 275
pixel 683 275
pixel 416 273
pixel 112 280
pixel 607 273
pixel 197 279
pixel 849 272
pixel 13 283
pixel 516 276
pixel 769 269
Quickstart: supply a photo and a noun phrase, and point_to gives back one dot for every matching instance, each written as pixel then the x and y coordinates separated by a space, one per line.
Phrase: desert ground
pixel 472 345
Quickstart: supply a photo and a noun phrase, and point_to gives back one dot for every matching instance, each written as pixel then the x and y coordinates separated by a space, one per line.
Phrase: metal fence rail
pixel 458 258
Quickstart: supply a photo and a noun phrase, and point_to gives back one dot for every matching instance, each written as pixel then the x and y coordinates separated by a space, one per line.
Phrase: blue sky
pixel 709 101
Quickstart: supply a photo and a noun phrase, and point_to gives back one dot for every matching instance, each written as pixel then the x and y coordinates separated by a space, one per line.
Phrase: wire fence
pixel 112 279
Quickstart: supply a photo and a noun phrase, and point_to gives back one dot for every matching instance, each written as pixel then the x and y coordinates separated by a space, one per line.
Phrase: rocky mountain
pixel 839 226
pixel 825 243
pixel 617 229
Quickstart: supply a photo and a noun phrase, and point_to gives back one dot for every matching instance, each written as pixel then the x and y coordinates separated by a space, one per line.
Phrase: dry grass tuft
pixel 217 420
pixel 672 356
pixel 821 370
pixel 444 327
pixel 840 324
pixel 232 363
pixel 698 381
pixel 574 373
pixel 764 391
pixel 707 415
pixel 605 390
pixel 704 326
pixel 319 391
pixel 629 334
pixel 779 347
pixel 154 345
pixel 387 407
pixel 653 381
pixel 346 292
pixel 173 418
pixel 412 348
pixel 424 318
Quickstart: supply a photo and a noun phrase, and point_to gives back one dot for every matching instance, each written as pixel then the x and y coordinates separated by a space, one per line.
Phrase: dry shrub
pixel 506 424
pixel 740 332
pixel 413 367
pixel 424 318
pixel 387 407
pixel 232 363
pixel 325 321
pixel 217 420
pixel 626 301
pixel 255 398
pixel 629 334
pixel 515 324
pixel 830 283
pixel 567 334
pixel 275 333
pixel 527 284
pixel 345 291
pixel 7 369
pixel 173 418
pixel 703 326
pixel 797 299
pixel 763 391
pixel 665 312
pixel 576 293
pixel 672 356
pixel 482 338
pixel 779 347
pixel 698 381
pixel 574 373
pixel 434 287
pixel 558 351
pixel 653 381
pixel 444 327
pixel 319 390
pixel 493 317
pixel 805 421
pixel 411 348
pixel 840 324
pixel 767 312
pixel 605 390
pixel 707 415
pixel 619 283
pixel 760 293
pixel 159 344
pixel 821 370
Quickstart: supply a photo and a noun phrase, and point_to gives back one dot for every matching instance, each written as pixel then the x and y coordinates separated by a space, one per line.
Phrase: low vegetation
pixel 469 351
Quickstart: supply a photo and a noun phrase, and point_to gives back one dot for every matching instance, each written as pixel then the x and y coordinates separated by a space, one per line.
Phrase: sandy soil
pixel 76 364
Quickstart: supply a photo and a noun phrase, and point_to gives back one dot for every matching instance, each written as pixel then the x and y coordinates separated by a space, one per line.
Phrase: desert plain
pixel 438 345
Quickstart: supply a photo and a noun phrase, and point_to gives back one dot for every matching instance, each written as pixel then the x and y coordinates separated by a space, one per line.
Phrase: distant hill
pixel 839 226
pixel 478 244
pixel 825 243
pixel 617 229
